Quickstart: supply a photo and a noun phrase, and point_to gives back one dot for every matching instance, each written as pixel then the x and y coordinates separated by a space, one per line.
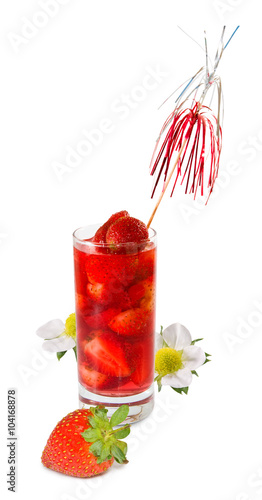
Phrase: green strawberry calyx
pixel 104 438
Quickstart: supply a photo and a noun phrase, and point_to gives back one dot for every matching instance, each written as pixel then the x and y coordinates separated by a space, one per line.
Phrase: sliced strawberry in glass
pixel 101 320
pixel 84 332
pixel 108 294
pixel 106 355
pixel 86 305
pixel 146 264
pixel 130 322
pixel 143 355
pixel 80 276
pixel 123 301
pixel 99 292
pixel 136 293
pixel 91 378
pixel 106 268
pixel 142 294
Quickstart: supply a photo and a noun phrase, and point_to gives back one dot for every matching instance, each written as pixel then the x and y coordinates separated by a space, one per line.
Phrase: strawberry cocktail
pixel 115 268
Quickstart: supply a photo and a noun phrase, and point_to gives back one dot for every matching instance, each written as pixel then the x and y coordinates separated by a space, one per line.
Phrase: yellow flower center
pixel 70 326
pixel 168 361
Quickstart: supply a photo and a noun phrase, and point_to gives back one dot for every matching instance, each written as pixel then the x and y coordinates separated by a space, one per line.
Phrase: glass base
pixel 140 405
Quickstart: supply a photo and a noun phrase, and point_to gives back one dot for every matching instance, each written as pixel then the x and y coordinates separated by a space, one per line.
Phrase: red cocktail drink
pixel 115 319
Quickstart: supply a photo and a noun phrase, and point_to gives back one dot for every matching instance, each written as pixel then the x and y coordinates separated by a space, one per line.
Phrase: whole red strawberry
pixel 121 229
pixel 100 236
pixel 126 230
pixel 84 444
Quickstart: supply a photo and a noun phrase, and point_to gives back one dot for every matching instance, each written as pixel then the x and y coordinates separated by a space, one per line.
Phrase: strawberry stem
pixel 106 441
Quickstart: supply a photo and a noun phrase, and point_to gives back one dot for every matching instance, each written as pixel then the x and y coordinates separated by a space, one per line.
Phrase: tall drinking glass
pixel 115 322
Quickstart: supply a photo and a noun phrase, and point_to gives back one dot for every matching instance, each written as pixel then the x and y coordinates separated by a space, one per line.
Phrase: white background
pixel 67 78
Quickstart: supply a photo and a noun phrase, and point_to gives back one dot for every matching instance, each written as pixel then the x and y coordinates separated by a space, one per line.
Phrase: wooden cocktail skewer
pixel 166 184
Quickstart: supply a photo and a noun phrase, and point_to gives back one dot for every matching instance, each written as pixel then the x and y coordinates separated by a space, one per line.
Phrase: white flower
pixel 176 357
pixel 58 336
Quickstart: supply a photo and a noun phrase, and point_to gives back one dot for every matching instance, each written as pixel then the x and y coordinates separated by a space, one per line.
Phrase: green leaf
pixel 99 418
pixel 159 385
pixel 207 361
pixel 91 435
pixel 207 354
pixel 181 390
pixel 96 448
pixel 158 380
pixel 194 373
pixel 100 412
pixel 94 422
pixel 123 446
pixel 161 330
pixel 105 454
pixel 60 354
pixel 117 454
pixel 194 341
pixel 100 461
pixel 119 415
pixel 122 433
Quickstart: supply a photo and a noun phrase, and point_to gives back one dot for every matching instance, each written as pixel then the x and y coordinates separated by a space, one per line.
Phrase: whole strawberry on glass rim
pixel 115 278
pixel 84 443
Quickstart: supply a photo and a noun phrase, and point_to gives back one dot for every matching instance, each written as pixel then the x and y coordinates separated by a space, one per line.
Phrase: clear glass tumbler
pixel 115 322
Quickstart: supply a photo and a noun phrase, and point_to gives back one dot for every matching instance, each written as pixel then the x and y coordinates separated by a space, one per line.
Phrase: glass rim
pixel 87 242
